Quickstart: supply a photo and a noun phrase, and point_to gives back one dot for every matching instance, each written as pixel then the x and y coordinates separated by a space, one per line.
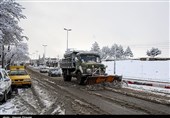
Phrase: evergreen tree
pixel 105 52
pixel 153 52
pixel 113 50
pixel 95 47
pixel 119 52
pixel 128 52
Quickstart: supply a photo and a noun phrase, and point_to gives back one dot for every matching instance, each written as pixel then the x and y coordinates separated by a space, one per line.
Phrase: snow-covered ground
pixel 14 106
pixel 24 103
pixel 141 70
pixel 129 69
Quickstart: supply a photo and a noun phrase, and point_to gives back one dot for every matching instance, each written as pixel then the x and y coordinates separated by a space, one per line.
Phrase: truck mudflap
pixel 102 79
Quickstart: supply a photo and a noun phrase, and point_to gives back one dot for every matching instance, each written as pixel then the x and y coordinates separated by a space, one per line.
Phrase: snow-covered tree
pixel 153 52
pixel 10 32
pixel 11 13
pixel 95 47
pixel 17 53
pixel 113 50
pixel 128 53
pixel 117 51
pixel 105 52
pixel 120 52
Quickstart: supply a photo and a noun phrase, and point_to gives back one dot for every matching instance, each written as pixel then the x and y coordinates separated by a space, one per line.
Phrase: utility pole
pixel 115 61
pixel 44 53
pixel 67 37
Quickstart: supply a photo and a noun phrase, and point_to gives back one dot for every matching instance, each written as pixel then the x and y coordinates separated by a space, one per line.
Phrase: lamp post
pixel 115 61
pixel 67 37
pixel 37 61
pixel 37 54
pixel 44 52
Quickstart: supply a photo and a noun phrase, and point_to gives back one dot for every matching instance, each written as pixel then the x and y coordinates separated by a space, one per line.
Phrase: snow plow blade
pixel 102 79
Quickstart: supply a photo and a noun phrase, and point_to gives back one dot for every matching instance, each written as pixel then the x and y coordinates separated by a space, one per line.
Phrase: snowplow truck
pixel 86 67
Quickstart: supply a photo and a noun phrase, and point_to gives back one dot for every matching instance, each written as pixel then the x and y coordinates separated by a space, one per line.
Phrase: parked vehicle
pixel 19 76
pixel 43 70
pixel 5 85
pixel 54 72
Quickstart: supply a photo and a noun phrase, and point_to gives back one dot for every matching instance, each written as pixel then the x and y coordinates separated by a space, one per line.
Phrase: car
pixel 54 72
pixel 43 70
pixel 19 76
pixel 5 85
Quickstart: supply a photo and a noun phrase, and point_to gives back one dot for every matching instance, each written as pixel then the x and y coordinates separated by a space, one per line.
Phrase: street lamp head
pixel 67 29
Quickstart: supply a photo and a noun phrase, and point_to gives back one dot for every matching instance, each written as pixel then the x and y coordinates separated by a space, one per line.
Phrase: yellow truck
pixel 19 76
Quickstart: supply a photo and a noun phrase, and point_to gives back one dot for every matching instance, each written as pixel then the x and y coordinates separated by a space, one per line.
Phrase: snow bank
pixel 141 70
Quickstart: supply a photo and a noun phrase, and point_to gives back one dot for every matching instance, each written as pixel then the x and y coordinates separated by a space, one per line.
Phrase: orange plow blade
pixel 101 79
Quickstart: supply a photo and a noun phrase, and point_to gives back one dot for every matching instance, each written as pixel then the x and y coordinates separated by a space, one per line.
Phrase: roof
pixel 88 52
pixel 17 67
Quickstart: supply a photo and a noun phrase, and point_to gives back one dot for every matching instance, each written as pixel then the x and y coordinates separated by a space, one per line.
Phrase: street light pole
pixel 44 52
pixel 36 54
pixel 67 37
pixel 115 61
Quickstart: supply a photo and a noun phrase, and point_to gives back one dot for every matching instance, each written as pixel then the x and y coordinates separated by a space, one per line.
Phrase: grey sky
pixel 140 25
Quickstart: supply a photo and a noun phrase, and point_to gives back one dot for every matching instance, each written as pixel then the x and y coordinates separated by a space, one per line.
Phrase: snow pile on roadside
pixel 16 105
pixel 58 111
pixel 8 107
pixel 151 89
pixel 48 100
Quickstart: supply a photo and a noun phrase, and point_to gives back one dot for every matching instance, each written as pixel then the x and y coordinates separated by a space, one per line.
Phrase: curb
pixel 166 86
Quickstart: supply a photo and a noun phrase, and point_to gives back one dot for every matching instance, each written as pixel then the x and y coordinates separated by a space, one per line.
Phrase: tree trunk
pixel 3 56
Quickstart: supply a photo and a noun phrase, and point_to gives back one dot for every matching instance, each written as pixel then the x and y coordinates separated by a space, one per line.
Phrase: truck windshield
pixel 90 58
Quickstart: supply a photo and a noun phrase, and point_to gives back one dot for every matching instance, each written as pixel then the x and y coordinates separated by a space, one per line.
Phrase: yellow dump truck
pixel 19 76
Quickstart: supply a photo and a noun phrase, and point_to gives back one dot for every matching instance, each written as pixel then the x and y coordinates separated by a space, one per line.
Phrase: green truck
pixel 86 67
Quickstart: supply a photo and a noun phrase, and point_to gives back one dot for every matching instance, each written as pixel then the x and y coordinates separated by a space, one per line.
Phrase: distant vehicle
pixel 43 70
pixel 54 72
pixel 5 85
pixel 19 76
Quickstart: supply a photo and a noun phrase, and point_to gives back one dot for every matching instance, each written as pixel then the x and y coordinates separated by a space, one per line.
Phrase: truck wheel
pixel 66 77
pixel 80 79
pixel 29 85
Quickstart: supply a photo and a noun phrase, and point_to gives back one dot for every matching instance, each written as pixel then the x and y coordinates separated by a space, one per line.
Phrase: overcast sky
pixel 138 24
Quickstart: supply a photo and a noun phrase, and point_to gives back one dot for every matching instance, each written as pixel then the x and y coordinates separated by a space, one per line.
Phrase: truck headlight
pixel 89 71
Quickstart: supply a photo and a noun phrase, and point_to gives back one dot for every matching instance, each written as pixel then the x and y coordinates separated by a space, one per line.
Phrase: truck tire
pixel 66 77
pixel 80 79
